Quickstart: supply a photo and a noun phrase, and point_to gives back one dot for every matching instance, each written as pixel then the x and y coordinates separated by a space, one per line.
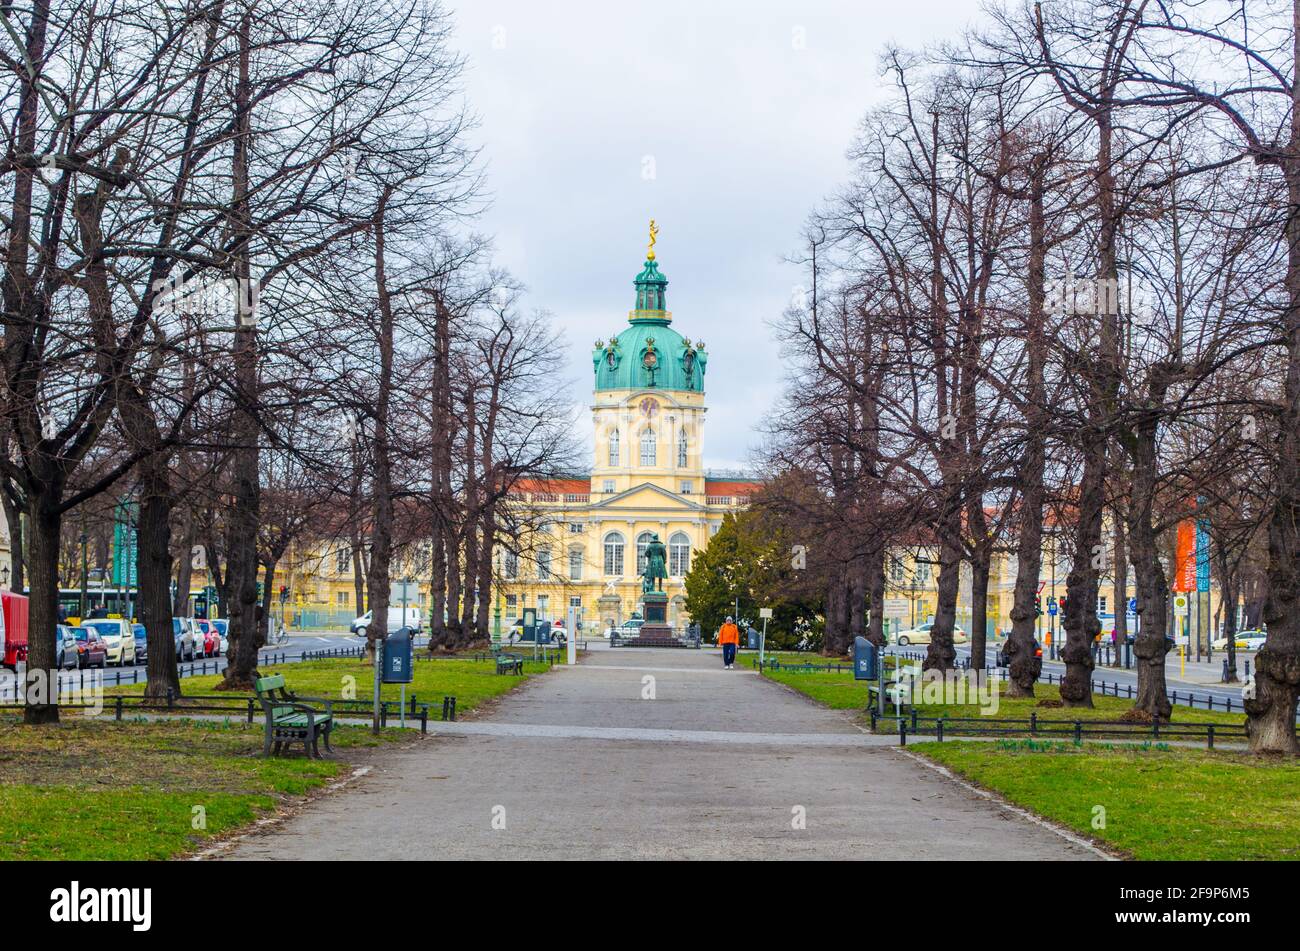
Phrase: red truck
pixel 13 629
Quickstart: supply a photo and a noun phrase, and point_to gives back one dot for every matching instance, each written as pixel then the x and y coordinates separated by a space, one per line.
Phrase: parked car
pixel 13 629
pixel 222 625
pixel 1002 660
pixel 630 628
pixel 92 651
pixel 183 635
pixel 118 636
pixel 141 643
pixel 412 619
pixel 211 638
pixel 66 656
pixel 1250 640
pixel 921 635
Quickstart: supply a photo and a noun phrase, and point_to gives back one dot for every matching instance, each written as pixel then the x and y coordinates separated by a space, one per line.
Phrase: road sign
pixel 1180 605
pixel 764 613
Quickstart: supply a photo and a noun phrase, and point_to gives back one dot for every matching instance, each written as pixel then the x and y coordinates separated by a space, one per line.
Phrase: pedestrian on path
pixel 729 638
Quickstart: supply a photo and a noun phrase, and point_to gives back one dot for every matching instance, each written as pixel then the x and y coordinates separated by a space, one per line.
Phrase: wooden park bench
pixel 290 719
pixel 509 663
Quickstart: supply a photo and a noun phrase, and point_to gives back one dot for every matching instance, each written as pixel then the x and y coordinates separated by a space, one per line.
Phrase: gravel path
pixel 721 764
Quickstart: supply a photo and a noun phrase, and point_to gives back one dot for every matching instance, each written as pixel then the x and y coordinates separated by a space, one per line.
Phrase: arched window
pixel 679 554
pixel 614 554
pixel 648 449
pixel 613 448
pixel 642 543
pixel 681 448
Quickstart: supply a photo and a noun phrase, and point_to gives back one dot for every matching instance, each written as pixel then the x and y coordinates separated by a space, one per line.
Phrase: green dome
pixel 649 353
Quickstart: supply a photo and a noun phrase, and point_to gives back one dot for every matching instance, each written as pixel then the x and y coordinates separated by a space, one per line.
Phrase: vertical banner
pixel 124 544
pixel 1202 555
pixel 1185 558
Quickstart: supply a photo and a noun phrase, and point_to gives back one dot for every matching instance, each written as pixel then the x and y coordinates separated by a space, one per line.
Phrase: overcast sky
pixel 727 127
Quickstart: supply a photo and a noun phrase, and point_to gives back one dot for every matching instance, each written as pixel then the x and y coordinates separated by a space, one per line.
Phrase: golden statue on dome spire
pixel 654 234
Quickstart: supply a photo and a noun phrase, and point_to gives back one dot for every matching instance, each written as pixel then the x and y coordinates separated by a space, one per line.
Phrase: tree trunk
pixel 1120 588
pixel 876 589
pixel 1024 666
pixel 487 542
pixel 857 600
pixel 244 633
pixel 358 574
pixel 44 523
pixel 381 532
pixel 1271 714
pixel 1150 645
pixel 941 653
pixel 154 571
pixel 981 568
pixel 184 572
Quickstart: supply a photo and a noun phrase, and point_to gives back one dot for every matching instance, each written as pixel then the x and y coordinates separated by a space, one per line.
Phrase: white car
pixel 921 635
pixel 412 619
pixel 630 628
pixel 119 637
pixel 1250 640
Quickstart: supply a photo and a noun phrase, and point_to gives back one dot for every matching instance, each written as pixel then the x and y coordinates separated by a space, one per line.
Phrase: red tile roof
pixel 553 485
pixel 730 487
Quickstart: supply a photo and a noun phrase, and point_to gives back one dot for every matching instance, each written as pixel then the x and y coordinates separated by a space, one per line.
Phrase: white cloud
pixel 747 132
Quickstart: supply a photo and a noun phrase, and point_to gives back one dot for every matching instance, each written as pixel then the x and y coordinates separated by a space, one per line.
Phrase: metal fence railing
pixel 913 724
pixel 1187 698
pixel 249 707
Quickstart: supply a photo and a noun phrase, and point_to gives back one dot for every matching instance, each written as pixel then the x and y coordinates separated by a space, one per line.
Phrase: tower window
pixel 649 451
pixel 613 448
pixel 681 448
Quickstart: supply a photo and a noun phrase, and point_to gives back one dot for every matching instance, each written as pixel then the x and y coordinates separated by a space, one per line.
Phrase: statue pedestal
pixel 655 631
pixel 656 607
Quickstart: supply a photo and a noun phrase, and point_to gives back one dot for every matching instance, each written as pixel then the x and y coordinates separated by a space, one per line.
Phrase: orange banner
pixel 1185 558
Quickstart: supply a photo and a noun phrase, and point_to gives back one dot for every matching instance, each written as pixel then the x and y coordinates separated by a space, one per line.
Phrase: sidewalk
pixel 719 765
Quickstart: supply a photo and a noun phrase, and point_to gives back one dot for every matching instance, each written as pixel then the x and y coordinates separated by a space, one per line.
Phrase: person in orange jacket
pixel 729 638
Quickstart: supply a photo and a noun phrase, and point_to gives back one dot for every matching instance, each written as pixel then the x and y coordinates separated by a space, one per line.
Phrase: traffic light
pixel 1063 604
pixel 1038 607
pixel 284 593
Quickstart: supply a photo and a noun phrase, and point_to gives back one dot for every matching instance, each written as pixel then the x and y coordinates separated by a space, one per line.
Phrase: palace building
pixel 647 477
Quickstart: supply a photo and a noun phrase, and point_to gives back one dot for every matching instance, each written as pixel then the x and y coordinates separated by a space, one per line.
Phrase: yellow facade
pixel 647 477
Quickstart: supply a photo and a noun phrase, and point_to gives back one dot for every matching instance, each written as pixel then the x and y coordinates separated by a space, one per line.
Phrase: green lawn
pixel 1159 803
pixel 96 789
pixel 840 691
pixel 470 682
